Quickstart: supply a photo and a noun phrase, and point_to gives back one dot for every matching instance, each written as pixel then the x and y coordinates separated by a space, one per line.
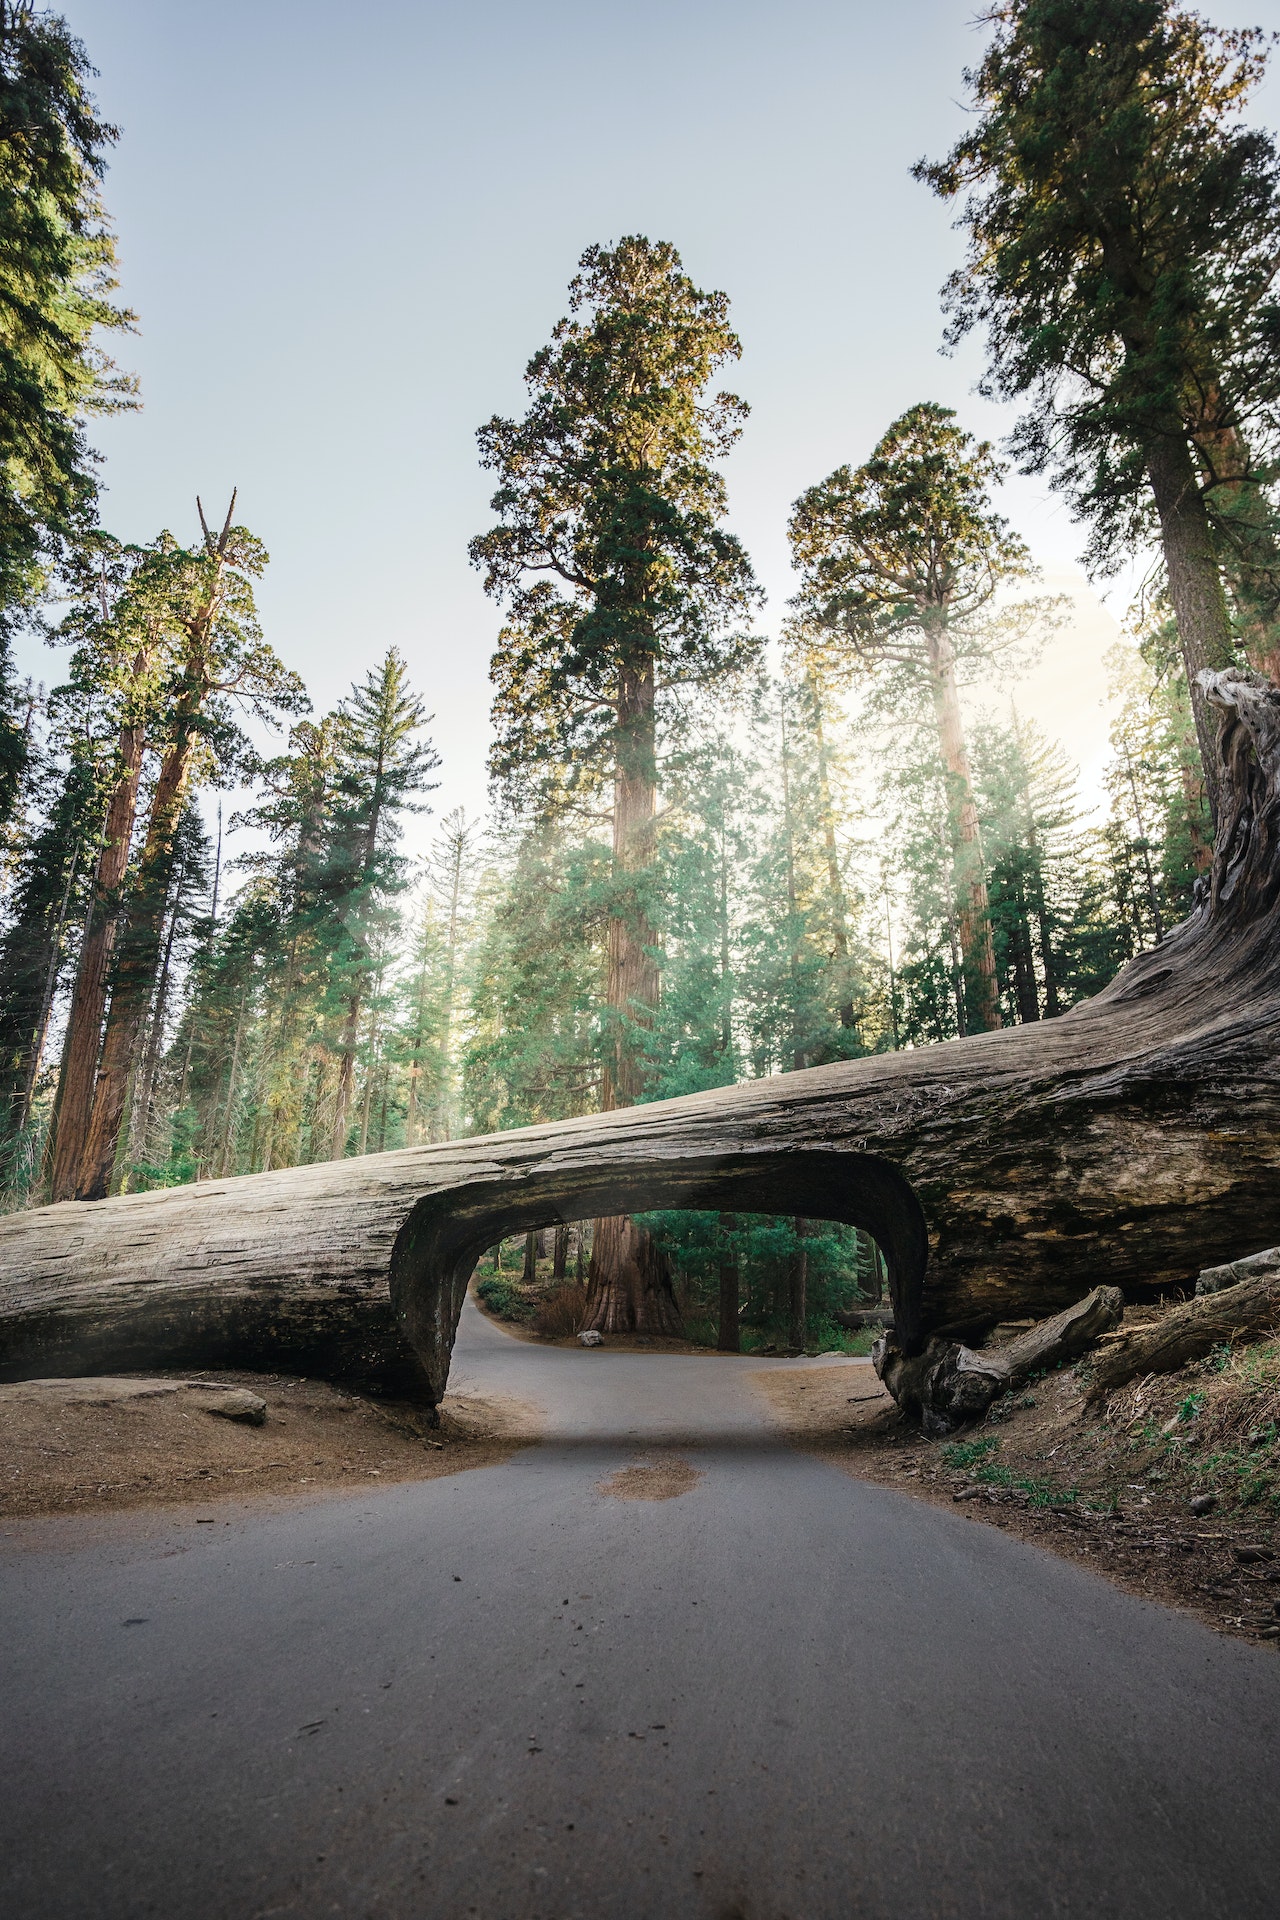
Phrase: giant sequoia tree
pixel 1124 226
pixel 621 586
pixel 901 561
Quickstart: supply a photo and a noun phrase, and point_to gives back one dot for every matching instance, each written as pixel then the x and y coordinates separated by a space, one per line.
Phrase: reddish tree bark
pixel 136 968
pixel 628 1285
pixel 1195 585
pixel 89 998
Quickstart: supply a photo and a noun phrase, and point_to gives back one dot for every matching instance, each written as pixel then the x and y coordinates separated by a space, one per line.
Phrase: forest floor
pixel 1110 1488
pixel 69 1446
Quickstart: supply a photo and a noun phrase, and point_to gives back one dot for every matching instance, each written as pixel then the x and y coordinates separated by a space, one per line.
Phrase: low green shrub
pixel 501 1298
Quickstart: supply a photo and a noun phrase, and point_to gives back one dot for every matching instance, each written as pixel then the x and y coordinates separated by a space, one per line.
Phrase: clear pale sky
pixel 345 230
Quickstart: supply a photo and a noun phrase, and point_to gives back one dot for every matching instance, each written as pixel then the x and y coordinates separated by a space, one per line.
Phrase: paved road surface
pixel 782 1696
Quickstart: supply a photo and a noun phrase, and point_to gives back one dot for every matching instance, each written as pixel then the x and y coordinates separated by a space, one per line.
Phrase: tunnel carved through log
pixel 1131 1141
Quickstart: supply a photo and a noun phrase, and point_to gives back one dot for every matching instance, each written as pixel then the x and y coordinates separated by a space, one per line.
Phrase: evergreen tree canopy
pixel 1124 225
pixel 609 550
pixel 381 765
pixel 907 545
pixel 901 561
pixel 56 275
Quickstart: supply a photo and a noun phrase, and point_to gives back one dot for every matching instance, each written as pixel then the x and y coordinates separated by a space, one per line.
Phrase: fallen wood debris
pixel 1249 1310
pixel 1217 1279
pixel 949 1384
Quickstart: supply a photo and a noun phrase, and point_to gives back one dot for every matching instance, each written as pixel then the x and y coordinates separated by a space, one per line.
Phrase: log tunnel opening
pixel 437 1248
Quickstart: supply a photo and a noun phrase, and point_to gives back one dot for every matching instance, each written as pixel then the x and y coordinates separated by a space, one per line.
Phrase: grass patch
pixel 1220 1435
pixel 967 1453
pixel 974 1457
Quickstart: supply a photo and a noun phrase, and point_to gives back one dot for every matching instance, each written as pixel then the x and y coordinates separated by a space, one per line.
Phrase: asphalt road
pixel 782 1694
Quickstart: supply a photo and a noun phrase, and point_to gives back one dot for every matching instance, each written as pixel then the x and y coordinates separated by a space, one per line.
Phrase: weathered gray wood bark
pixel 1216 1279
pixel 1135 1139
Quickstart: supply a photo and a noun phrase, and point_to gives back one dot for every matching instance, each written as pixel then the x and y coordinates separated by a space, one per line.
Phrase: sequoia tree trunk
pixel 1195 585
pixel 628 1286
pixel 1242 517
pixel 1134 1140
pixel 135 974
pixel 83 1039
pixel 632 986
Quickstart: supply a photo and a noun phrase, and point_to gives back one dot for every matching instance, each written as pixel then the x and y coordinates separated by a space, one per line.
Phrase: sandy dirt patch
pixel 813 1401
pixel 658 1479
pixel 1110 1493
pixel 70 1446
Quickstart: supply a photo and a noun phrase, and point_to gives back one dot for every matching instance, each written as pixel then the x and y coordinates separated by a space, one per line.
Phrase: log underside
pixel 1134 1140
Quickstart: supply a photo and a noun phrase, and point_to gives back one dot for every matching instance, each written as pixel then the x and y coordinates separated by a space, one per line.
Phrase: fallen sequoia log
pixel 1135 1138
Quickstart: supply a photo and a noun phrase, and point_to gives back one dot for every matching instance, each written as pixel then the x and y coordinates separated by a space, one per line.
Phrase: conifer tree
pixel 220 662
pixel 1026 797
pixel 705 846
pixel 44 906
pixel 57 260
pixel 424 1031
pixel 122 659
pixel 380 766
pixel 621 587
pixel 901 561
pixel 536 984
pixel 148 1157
pixel 294 810
pixel 800 984
pixel 1123 224
pixel 1158 834
pixel 435 988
